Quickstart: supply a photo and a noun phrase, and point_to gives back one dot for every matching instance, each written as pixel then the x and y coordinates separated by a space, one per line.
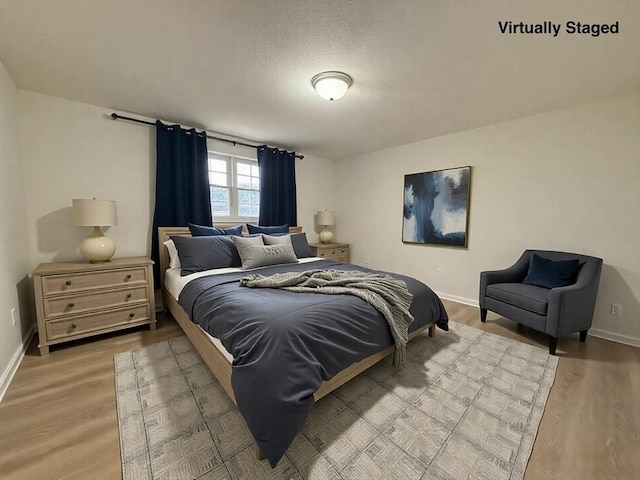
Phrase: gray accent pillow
pixel 254 253
pixel 206 253
pixel 247 241
pixel 277 240
pixel 298 241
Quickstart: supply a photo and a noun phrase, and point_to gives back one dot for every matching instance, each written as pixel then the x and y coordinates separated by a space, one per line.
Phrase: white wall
pixel 14 252
pixel 565 180
pixel 74 150
pixel 70 150
pixel 315 184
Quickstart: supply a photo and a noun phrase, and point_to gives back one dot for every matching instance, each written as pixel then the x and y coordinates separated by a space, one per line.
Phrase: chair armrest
pixel 571 308
pixel 514 274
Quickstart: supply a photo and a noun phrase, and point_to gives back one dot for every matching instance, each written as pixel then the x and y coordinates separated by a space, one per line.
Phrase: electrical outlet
pixel 367 260
pixel 616 309
pixel 14 317
pixel 440 274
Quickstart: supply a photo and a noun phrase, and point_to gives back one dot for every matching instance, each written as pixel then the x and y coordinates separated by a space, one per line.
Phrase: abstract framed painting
pixel 436 207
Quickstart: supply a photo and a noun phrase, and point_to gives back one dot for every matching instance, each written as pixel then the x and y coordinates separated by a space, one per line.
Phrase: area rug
pixel 467 405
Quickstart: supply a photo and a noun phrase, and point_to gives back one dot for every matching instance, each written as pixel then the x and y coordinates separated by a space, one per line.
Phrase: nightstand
pixel 79 299
pixel 333 251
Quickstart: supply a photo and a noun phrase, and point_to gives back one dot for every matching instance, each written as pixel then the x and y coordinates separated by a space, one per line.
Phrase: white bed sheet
pixel 174 282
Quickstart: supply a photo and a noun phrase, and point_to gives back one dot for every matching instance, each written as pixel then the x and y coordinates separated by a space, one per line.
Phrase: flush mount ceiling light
pixel 331 85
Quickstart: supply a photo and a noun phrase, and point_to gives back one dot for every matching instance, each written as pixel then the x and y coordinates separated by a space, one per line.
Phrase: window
pixel 234 184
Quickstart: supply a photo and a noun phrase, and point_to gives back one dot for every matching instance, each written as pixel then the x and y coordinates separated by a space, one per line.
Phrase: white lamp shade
pixel 326 218
pixel 331 85
pixel 94 213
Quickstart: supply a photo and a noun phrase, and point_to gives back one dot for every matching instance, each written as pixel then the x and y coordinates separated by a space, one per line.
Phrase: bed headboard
pixel 164 233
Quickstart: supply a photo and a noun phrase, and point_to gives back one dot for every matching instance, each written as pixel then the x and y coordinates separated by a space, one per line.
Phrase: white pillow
pixel 174 258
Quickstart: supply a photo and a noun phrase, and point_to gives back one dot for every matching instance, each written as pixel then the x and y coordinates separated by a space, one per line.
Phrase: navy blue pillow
pixel 237 230
pixel 206 253
pixel 551 274
pixel 301 245
pixel 202 231
pixel 268 230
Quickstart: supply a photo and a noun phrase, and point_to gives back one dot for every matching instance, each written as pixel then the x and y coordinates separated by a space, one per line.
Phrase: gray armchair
pixel 556 311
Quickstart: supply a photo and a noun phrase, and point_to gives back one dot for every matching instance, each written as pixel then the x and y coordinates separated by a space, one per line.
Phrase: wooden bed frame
pixel 215 359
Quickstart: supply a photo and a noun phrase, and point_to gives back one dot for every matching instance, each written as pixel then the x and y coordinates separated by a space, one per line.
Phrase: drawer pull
pixel 128 295
pixel 128 277
pixel 73 325
pixel 71 305
pixel 67 283
pixel 131 315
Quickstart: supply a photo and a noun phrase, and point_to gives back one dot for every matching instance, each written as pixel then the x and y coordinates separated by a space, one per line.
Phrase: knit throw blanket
pixel 386 294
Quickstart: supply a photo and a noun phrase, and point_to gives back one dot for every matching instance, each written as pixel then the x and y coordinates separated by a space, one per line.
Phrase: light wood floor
pixel 58 418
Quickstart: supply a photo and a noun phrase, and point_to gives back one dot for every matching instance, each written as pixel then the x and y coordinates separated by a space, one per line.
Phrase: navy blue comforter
pixel 286 344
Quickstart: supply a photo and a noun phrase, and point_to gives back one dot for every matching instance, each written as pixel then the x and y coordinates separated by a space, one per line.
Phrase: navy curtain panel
pixel 182 182
pixel 277 187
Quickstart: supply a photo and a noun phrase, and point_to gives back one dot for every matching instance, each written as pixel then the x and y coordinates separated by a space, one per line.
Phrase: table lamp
pixel 95 213
pixel 326 219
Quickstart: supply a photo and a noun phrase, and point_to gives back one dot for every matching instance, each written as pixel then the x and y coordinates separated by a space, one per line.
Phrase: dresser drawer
pixel 86 281
pixel 333 252
pixel 76 300
pixel 83 302
pixel 70 327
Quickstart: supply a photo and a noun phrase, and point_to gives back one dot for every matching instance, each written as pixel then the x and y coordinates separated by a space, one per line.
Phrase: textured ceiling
pixel 243 67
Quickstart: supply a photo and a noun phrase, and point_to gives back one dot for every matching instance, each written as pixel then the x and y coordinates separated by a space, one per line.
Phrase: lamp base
pixel 325 236
pixel 97 248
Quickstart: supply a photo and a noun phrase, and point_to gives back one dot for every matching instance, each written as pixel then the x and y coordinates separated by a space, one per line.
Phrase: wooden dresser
pixel 333 251
pixel 79 299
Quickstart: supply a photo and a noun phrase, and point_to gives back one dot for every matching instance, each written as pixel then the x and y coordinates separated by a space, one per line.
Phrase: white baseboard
pixel 12 368
pixel 614 337
pixel 462 300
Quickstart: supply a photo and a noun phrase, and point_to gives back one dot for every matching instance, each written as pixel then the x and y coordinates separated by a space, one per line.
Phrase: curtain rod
pixel 116 116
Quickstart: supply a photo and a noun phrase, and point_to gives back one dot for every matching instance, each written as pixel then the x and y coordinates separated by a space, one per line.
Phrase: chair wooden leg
pixel 553 343
pixel 583 335
pixel 483 315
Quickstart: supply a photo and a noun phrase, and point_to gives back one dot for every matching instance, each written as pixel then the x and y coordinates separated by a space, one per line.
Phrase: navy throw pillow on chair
pixel 551 274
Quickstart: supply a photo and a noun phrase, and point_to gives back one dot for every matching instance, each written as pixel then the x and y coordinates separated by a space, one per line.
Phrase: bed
pixel 275 426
